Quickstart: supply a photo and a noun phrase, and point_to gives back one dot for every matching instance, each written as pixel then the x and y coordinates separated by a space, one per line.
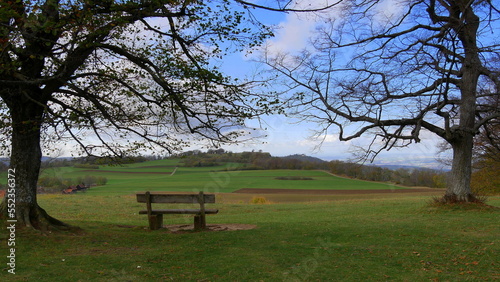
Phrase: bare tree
pixel 427 66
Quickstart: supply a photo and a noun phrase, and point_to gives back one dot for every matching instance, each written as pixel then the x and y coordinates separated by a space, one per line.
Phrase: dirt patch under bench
pixel 180 228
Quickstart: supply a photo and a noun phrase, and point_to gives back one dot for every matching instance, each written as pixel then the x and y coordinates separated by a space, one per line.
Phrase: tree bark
pixel 25 161
pixel 459 189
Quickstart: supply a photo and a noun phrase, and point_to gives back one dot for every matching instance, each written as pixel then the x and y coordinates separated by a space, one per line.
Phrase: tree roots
pixel 36 218
pixel 469 201
pixel 457 199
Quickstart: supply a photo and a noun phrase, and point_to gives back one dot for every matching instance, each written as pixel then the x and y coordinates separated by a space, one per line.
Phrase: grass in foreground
pixel 400 239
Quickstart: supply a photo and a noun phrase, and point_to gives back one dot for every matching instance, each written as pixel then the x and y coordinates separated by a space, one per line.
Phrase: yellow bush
pixel 259 201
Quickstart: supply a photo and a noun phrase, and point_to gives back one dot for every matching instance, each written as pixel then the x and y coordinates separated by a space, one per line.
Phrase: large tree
pixel 117 77
pixel 394 69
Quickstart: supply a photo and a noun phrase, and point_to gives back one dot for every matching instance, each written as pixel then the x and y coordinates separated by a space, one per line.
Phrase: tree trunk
pixel 24 170
pixel 459 189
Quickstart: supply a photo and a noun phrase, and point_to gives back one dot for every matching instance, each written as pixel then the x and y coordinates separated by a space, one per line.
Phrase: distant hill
pixel 304 158
pixel 430 167
pixel 395 167
pixel 420 163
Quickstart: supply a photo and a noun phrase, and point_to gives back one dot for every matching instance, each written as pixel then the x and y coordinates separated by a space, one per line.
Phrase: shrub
pixel 101 180
pixel 260 201
pixel 90 180
pixel 55 184
pixel 486 180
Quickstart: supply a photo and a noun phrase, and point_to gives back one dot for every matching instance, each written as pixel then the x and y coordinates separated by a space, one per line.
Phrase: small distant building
pixel 81 187
pixel 68 190
pixel 75 188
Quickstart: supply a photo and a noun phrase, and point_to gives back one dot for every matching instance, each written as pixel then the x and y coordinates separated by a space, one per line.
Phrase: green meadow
pixel 372 237
pixel 156 176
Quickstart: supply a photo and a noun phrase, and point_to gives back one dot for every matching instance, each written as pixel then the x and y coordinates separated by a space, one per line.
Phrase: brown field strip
pixel 299 196
pixel 128 172
pixel 334 192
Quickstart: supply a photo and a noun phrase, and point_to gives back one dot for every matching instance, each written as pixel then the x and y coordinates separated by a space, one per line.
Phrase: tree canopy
pixel 116 77
pixel 110 71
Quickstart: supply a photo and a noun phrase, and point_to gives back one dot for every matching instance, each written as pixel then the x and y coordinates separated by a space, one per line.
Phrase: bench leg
pixel 203 222
pixel 197 222
pixel 155 221
pixel 200 222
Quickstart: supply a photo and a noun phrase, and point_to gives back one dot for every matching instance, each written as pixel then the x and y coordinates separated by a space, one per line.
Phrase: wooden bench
pixel 155 216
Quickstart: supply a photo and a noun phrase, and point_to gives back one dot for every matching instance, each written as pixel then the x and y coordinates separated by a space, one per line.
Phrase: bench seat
pixel 180 211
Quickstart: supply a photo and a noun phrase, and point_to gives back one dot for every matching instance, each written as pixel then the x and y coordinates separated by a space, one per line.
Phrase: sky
pixel 284 136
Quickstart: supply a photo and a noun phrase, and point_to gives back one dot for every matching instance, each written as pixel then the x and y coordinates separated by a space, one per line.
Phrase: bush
pixel 486 180
pixel 55 184
pixel 90 180
pixel 101 180
pixel 260 201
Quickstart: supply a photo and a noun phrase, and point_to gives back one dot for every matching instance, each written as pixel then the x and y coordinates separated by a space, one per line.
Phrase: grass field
pixel 156 176
pixel 384 239
pixel 363 237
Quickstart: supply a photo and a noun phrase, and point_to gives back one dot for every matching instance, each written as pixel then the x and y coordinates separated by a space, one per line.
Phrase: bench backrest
pixel 175 198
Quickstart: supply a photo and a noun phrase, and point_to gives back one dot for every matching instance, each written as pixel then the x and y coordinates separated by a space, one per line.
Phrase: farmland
pixel 165 175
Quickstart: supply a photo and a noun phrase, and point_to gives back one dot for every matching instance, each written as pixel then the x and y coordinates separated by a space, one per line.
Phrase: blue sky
pixel 284 136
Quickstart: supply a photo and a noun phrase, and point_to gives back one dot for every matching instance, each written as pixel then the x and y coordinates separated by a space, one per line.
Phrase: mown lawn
pixel 385 239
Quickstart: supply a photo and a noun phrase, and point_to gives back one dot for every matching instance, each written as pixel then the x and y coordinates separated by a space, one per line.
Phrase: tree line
pixel 94 162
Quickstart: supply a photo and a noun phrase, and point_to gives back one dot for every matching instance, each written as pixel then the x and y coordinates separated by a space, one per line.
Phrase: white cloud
pixel 294 32
pixel 292 35
pixel 389 11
